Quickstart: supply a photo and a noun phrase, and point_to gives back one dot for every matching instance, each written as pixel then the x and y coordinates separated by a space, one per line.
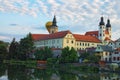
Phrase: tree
pixel 3 50
pixel 68 55
pixel 43 54
pixel 26 46
pixel 14 50
pixel 93 58
pixel 90 57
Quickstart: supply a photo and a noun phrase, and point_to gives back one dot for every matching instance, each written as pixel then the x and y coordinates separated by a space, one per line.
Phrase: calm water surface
pixel 21 73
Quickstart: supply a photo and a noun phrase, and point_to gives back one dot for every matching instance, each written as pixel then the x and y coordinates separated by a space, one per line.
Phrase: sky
pixel 19 17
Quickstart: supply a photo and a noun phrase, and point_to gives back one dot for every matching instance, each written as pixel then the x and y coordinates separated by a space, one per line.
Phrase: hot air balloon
pixel 48 25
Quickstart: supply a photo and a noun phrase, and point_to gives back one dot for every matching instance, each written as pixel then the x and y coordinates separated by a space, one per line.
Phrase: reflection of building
pixel 109 76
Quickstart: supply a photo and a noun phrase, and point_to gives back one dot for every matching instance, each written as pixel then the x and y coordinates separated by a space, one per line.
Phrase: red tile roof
pixel 50 36
pixel 86 38
pixel 62 34
pixel 38 36
pixel 58 35
pixel 92 33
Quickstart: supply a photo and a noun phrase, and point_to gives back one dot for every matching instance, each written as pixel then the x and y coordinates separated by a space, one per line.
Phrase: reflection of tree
pixel 18 73
pixel 67 76
pixel 91 76
pixel 2 69
pixel 44 74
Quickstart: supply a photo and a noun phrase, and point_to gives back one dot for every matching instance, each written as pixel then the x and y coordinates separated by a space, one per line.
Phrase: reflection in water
pixel 11 72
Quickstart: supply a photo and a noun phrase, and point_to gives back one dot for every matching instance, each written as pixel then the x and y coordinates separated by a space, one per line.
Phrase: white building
pixel 116 56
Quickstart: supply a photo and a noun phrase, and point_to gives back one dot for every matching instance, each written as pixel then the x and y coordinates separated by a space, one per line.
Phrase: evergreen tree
pixel 26 46
pixel 14 50
pixel 3 50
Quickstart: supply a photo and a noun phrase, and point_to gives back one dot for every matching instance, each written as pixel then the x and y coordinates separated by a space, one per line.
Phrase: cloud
pixel 13 24
pixel 78 14
pixel 4 38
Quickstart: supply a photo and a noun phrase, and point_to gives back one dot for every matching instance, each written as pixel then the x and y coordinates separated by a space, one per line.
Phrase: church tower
pixel 101 33
pixel 54 27
pixel 108 28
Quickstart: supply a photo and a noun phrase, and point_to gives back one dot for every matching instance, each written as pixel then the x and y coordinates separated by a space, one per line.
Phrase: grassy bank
pixel 27 63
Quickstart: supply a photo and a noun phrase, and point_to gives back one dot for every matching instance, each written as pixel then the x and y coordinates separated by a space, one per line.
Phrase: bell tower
pixel 101 33
pixel 54 27
pixel 108 28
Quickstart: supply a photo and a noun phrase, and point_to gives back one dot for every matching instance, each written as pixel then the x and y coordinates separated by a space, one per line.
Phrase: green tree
pixel 3 50
pixel 43 54
pixel 14 50
pixel 93 58
pixel 26 46
pixel 68 55
pixel 90 57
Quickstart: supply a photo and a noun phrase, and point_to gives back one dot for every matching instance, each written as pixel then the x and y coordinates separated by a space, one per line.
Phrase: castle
pixel 61 39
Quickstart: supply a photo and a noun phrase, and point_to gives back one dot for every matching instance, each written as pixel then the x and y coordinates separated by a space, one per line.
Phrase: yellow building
pixel 65 38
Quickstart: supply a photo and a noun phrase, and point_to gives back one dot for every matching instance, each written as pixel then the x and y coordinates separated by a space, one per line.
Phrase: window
pixel 57 41
pixel 83 44
pixel 114 58
pixel 116 52
pixel 72 42
pixel 88 44
pixel 111 43
pixel 77 44
pixel 106 53
pixel 105 59
pixel 67 41
pixel 80 44
pixel 109 59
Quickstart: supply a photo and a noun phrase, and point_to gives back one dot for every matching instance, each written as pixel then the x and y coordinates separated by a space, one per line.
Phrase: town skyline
pixel 18 18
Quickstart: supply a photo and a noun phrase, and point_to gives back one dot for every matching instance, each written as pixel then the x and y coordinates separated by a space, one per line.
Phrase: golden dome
pixel 48 25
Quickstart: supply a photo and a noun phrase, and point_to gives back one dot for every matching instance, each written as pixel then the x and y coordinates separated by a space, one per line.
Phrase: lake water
pixel 12 72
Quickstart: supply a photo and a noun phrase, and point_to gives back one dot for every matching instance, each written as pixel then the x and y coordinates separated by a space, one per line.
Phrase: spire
pixel 54 21
pixel 108 23
pixel 102 21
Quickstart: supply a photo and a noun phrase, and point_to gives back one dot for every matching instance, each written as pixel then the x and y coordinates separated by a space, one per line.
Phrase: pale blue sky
pixel 19 17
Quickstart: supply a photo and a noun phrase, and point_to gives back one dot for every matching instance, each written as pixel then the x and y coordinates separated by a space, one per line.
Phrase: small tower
pixel 108 28
pixel 101 34
pixel 54 27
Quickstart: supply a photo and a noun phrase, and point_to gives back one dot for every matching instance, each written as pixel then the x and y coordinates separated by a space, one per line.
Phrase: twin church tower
pixel 104 32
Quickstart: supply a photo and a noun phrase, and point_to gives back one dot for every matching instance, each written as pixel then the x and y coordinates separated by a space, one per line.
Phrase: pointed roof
pixel 102 21
pixel 108 23
pixel 54 21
